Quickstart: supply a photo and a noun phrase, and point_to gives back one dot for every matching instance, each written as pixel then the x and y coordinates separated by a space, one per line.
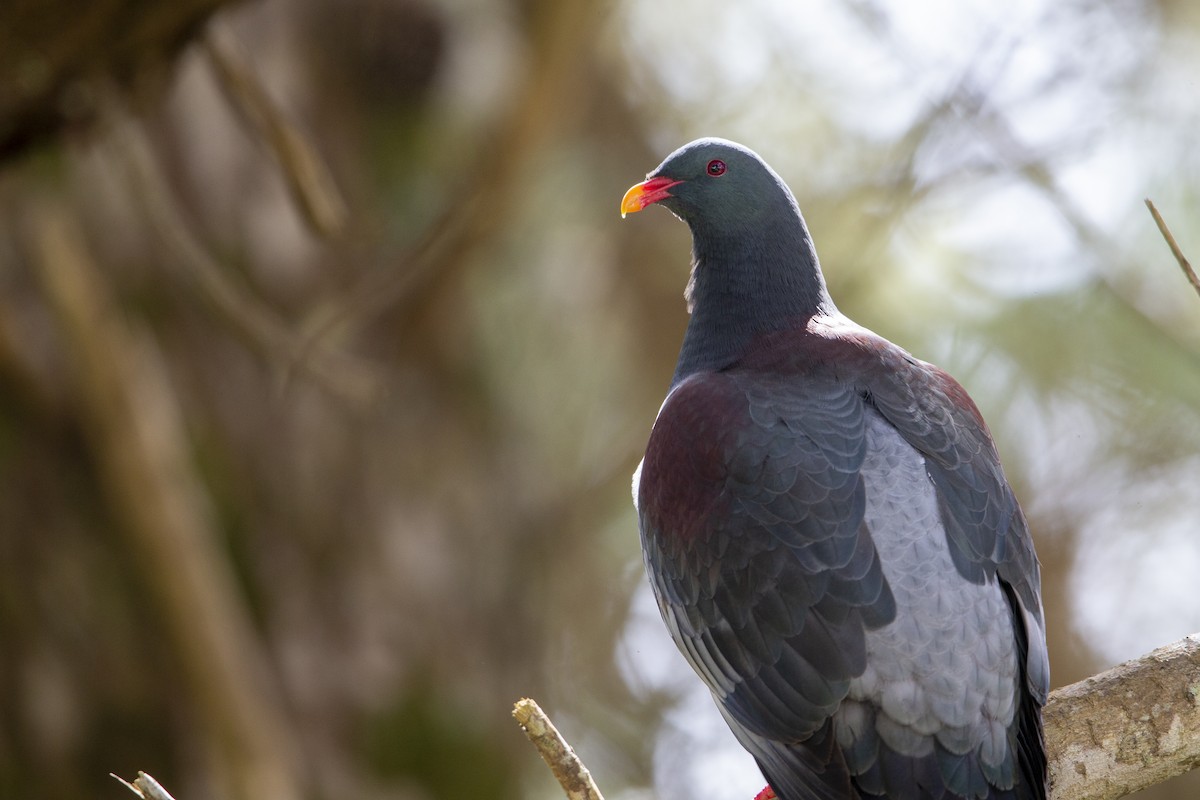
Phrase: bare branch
pixel 145 787
pixel 1184 264
pixel 1128 728
pixel 572 775
pixel 52 54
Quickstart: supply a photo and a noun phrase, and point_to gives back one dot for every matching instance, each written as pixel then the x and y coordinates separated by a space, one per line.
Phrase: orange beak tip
pixel 643 194
pixel 632 202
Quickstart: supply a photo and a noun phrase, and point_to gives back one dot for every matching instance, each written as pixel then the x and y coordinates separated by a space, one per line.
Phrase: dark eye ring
pixel 716 167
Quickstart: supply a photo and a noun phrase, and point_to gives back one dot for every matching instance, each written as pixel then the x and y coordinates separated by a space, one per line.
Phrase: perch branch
pixel 1128 728
pixel 572 775
pixel 1115 733
pixel 1176 250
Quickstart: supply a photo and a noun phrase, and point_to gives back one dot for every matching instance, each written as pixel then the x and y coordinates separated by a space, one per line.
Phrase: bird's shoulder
pixel 834 349
pixel 930 410
pixel 681 478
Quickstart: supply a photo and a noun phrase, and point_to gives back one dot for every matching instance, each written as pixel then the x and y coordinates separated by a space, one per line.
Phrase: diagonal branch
pixel 306 173
pixel 481 206
pixel 1184 264
pixel 572 775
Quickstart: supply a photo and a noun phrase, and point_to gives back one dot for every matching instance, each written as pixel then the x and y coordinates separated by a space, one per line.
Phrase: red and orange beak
pixel 643 194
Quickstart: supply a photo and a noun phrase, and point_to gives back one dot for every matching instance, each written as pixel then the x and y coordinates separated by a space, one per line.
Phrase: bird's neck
pixel 744 286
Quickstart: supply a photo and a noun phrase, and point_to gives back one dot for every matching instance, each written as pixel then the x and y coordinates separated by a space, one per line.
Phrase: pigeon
pixel 826 526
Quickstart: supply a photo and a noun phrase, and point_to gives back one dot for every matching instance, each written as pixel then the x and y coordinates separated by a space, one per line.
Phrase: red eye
pixel 716 167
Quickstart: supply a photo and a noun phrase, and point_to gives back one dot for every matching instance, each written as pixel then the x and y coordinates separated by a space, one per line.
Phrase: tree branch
pixel 572 775
pixel 1133 726
pixel 1176 251
pixel 480 207
pixel 1128 728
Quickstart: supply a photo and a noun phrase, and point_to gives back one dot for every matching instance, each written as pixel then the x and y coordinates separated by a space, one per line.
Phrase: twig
pixel 572 775
pixel 1115 733
pixel 1175 249
pixel 307 175
pixel 145 787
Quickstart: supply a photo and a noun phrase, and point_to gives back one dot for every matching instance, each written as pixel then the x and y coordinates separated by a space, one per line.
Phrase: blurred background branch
pixel 130 418
pixel 308 177
pixel 50 53
pixel 194 266
pixel 480 199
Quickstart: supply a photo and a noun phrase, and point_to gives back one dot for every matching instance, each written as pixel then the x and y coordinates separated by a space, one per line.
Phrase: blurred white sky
pixel 1053 79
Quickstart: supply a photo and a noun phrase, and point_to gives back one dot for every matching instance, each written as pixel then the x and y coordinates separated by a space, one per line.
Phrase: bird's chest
pixel 678 493
pixel 679 486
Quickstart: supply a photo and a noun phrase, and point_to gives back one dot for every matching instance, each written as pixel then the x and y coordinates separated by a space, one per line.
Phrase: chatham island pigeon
pixel 826 525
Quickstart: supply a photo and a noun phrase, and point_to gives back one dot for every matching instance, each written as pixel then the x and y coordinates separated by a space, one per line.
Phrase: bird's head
pixel 713 184
pixel 754 267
